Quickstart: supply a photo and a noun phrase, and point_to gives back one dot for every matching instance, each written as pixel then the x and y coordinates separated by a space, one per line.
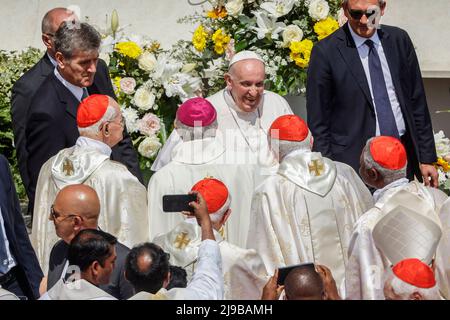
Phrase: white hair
pixel 109 115
pixel 284 147
pixel 405 290
pixel 188 133
pixel 387 175
pixel 218 215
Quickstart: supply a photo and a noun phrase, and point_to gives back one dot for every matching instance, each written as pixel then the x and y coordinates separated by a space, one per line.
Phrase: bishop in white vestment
pixel 306 212
pixel 200 155
pixel 367 261
pixel 123 199
pixel 243 269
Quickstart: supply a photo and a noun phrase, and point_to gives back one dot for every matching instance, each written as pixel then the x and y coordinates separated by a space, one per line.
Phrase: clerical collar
pixel 52 60
pixel 377 195
pixel 98 145
pixel 359 41
pixel 76 91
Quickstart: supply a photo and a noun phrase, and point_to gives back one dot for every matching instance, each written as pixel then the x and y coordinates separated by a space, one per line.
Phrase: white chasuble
pixel 243 270
pixel 367 264
pixel 123 199
pixel 306 213
pixel 193 161
pixel 244 134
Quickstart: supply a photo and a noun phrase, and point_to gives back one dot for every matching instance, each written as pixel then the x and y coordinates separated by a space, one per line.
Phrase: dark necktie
pixel 85 94
pixel 386 119
pixel 3 253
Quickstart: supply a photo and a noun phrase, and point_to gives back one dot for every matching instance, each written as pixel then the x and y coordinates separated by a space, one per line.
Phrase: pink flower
pixel 127 85
pixel 149 124
pixel 342 19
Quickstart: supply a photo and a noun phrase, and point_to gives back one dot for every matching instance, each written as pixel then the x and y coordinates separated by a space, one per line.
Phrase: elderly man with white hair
pixel 245 112
pixel 123 199
pixel 411 279
pixel 243 269
pixel 306 212
pixel 404 222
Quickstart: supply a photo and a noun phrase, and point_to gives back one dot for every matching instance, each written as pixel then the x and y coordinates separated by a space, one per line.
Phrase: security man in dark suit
pixel 364 80
pixel 20 272
pixel 76 208
pixel 51 118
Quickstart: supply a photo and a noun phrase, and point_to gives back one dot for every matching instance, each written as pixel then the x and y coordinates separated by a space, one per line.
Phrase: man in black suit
pixel 51 118
pixel 20 272
pixel 76 208
pixel 365 81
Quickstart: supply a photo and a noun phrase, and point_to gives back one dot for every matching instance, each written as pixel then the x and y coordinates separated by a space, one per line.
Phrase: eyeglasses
pixel 50 34
pixel 55 214
pixel 357 14
pixel 122 122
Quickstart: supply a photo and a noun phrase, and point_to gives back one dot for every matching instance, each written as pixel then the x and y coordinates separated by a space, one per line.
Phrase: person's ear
pixel 382 8
pixel 60 59
pixel 77 223
pixel 228 80
pixel 167 280
pixel 106 129
pixel 373 174
pixel 46 39
pixel 416 296
pixel 324 295
pixel 95 267
pixel 225 217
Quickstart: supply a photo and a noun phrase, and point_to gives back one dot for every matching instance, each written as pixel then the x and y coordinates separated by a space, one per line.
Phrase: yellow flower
pixel 301 52
pixel 217 13
pixel 220 40
pixel 325 27
pixel 199 38
pixel 443 164
pixel 129 49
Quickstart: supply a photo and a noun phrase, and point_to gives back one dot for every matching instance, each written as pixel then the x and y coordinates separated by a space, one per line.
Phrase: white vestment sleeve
pixel 165 153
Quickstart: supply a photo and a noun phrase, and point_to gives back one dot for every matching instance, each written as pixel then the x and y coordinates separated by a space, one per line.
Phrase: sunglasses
pixel 357 14
pixel 55 214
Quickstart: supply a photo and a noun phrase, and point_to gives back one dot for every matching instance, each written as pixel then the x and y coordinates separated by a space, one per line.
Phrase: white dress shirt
pixel 76 91
pixel 11 262
pixel 363 51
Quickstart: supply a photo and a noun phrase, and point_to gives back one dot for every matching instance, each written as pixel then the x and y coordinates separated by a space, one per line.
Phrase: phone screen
pixel 178 202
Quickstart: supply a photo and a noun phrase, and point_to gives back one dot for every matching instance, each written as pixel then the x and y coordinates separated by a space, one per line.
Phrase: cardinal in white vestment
pixel 201 154
pixel 383 166
pixel 411 279
pixel 243 269
pixel 245 112
pixel 306 212
pixel 123 199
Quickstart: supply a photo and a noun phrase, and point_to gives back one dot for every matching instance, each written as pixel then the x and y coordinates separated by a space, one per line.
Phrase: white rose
pixel 144 99
pixel 292 33
pixel 147 61
pixel 149 147
pixel 131 119
pixel 127 85
pixel 235 7
pixel 318 9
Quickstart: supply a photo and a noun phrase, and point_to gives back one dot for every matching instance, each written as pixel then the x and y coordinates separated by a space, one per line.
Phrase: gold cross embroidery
pixel 317 167
pixel 182 240
pixel 68 167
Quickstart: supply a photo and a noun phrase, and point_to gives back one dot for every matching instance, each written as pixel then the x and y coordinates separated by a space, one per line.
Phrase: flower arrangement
pixel 283 32
pixel 443 166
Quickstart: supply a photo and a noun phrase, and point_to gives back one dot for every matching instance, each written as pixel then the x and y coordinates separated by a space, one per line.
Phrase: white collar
pixel 359 41
pixel 98 145
pixel 53 61
pixel 76 91
pixel 377 195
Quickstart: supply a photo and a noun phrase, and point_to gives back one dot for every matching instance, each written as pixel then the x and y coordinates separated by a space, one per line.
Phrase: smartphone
pixel 178 202
pixel 284 271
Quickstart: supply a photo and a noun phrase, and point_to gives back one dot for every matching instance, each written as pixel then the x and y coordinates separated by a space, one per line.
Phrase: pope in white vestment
pixel 194 159
pixel 243 269
pixel 367 262
pixel 123 199
pixel 306 212
pixel 244 114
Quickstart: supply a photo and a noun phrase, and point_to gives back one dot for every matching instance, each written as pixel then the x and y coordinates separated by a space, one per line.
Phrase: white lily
pixel 182 85
pixel 165 68
pixel 267 25
pixel 278 8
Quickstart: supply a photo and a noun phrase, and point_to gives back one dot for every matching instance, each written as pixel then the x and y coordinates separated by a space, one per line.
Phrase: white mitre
pixel 245 55
pixel 410 228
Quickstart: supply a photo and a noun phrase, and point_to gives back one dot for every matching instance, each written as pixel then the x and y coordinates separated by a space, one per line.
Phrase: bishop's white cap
pixel 245 55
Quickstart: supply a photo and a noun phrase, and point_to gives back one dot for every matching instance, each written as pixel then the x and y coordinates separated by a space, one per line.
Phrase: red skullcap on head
pixel 388 152
pixel 196 110
pixel 91 110
pixel 289 127
pixel 415 272
pixel 214 191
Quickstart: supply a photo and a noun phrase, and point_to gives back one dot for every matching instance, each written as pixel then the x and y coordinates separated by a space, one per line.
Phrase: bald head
pixel 81 200
pixel 304 283
pixel 53 19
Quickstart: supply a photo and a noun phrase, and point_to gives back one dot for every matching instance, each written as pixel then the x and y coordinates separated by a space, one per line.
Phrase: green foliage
pixel 12 66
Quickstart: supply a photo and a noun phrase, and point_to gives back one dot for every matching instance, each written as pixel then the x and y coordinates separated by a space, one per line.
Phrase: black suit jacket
pixel 339 106
pixel 50 126
pixel 29 271
pixel 118 287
